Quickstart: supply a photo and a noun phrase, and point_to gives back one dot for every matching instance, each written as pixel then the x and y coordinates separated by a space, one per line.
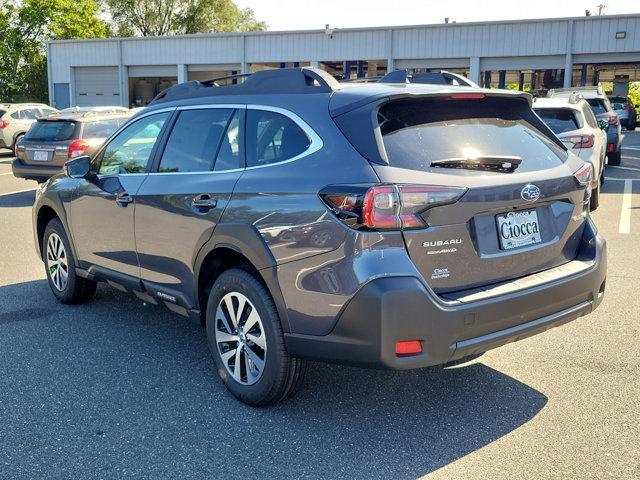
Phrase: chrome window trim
pixel 315 145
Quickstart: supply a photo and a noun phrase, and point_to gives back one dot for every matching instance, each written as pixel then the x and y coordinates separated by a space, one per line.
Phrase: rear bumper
pixel 387 310
pixel 33 172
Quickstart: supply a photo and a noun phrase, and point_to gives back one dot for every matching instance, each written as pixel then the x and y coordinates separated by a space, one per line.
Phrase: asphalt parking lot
pixel 115 389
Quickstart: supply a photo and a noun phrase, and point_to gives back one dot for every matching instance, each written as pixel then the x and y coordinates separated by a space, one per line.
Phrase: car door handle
pixel 204 202
pixel 123 199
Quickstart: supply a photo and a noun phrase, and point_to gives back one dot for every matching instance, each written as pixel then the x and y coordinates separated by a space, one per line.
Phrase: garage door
pixel 97 86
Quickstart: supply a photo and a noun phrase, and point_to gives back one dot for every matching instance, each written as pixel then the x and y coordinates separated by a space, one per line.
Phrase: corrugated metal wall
pixel 541 41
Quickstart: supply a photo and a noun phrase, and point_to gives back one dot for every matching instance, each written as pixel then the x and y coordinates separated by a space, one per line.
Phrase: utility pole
pixel 600 8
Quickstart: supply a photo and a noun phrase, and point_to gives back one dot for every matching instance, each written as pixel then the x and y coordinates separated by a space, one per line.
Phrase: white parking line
pixel 18 191
pixel 625 212
pixel 624 168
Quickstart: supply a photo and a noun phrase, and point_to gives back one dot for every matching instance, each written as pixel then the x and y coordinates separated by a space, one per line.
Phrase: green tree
pixel 25 26
pixel 176 17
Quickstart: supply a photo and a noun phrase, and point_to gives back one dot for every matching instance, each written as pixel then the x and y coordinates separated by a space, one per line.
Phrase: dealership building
pixel 537 53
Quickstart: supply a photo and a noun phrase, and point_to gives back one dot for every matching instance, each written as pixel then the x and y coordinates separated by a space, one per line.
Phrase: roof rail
pixel 441 77
pixel 281 80
pixel 361 80
pixel 214 81
pixel 597 88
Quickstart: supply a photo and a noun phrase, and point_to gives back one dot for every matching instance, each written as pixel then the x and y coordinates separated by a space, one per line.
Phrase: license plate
pixel 517 229
pixel 40 156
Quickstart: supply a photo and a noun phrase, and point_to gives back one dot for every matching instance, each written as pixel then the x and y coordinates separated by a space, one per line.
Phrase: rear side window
pixel 416 133
pixel 560 120
pixel 273 137
pixel 195 140
pixel 57 131
pixel 597 105
pixel 99 128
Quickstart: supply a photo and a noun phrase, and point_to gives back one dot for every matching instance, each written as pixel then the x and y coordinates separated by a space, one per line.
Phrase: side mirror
pixel 79 167
pixel 603 124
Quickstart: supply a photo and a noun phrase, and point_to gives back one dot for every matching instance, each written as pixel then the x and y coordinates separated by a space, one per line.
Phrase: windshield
pixel 416 133
pixel 51 131
pixel 597 105
pixel 559 120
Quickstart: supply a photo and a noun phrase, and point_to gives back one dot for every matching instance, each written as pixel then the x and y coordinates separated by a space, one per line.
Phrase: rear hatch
pixel 523 209
pixel 47 142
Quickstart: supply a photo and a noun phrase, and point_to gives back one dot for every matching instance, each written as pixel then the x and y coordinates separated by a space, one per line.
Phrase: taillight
pixel 581 141
pixel 584 176
pixel 77 148
pixel 467 96
pixel 3 124
pixel 386 207
pixel 610 147
pixel 628 107
pixel 613 120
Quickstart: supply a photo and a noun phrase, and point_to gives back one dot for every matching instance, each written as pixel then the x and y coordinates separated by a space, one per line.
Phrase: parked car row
pixel 53 137
pixel 17 118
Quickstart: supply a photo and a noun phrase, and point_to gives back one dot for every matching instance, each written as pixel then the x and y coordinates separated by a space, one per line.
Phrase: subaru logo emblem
pixel 530 193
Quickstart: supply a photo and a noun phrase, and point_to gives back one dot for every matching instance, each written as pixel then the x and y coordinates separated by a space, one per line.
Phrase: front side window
pixel 130 150
pixel 273 137
pixel 196 139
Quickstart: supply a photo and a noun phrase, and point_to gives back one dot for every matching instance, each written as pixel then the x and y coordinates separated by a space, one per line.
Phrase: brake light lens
pixel 610 147
pixel 581 141
pixel 77 148
pixel 613 120
pixel 3 124
pixel 467 96
pixel 386 207
pixel 628 107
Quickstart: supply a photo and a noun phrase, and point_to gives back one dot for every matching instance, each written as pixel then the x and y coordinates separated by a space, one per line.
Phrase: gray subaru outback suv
pixel 381 225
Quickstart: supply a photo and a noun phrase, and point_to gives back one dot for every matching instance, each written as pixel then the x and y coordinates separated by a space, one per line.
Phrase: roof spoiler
pixel 282 80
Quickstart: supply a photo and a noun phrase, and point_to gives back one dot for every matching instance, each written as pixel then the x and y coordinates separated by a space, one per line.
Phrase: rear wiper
pixel 496 163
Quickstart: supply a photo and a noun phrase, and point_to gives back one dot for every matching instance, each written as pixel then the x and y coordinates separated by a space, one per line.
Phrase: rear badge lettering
pixel 440 273
pixel 442 243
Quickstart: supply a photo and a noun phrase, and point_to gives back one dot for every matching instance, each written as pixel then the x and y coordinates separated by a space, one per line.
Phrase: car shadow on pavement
pixel 19 199
pixel 115 388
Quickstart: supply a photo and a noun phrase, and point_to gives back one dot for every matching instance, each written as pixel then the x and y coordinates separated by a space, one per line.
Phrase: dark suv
pixel 379 225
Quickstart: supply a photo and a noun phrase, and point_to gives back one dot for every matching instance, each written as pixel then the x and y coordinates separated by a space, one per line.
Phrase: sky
pixel 314 14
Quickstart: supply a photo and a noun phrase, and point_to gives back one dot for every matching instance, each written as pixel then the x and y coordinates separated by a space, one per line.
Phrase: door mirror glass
pixel 603 124
pixel 79 167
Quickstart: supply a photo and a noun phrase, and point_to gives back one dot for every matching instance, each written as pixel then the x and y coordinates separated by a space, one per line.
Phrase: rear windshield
pixel 597 105
pixel 416 133
pixel 100 128
pixel 559 120
pixel 51 131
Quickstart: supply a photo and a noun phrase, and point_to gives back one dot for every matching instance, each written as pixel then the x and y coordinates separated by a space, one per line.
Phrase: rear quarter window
pixel 57 131
pixel 417 132
pixel 597 105
pixel 99 128
pixel 560 120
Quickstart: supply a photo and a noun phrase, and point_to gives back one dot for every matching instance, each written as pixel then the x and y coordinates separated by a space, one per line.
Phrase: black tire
pixel 614 158
pixel 76 289
pixel 15 143
pixel 631 124
pixel 282 375
pixel 594 201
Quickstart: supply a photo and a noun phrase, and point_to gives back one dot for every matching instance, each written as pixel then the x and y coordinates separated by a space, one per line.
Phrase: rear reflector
pixel 467 96
pixel 610 147
pixel 409 347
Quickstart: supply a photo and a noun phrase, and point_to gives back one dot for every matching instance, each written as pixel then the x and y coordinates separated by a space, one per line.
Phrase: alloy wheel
pixel 57 265
pixel 240 337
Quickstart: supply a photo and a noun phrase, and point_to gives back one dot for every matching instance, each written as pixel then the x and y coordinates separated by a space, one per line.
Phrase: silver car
pixel 573 121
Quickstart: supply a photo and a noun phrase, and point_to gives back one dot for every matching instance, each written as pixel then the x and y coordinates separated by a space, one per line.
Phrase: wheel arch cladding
pixel 237 245
pixel 46 213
